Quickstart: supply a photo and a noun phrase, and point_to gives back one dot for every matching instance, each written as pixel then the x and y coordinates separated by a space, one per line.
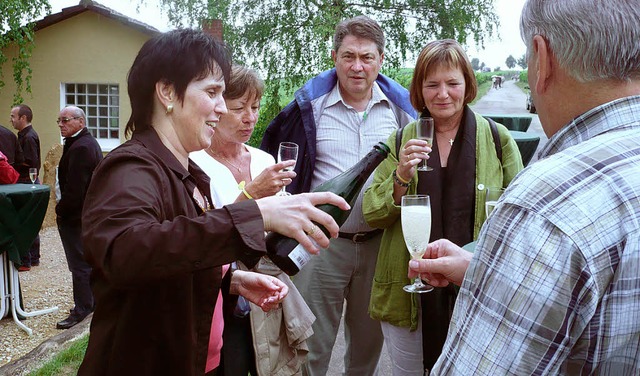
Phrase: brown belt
pixel 359 237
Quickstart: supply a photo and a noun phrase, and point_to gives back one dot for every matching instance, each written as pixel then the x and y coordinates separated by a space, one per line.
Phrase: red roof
pixel 85 6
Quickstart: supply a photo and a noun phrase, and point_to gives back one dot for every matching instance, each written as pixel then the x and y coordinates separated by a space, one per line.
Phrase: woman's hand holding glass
pixel 272 180
pixel 413 152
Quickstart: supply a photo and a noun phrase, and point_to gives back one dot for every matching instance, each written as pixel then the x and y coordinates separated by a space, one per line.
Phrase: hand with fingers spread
pixel 443 262
pixel 263 290
pixel 271 180
pixel 295 216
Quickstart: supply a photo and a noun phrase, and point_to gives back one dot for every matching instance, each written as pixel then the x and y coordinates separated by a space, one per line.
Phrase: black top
pixel 10 147
pixel 80 156
pixel 30 144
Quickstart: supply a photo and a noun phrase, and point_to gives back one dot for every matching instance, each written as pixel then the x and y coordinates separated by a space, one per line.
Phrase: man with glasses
pixel 80 156
pixel 29 142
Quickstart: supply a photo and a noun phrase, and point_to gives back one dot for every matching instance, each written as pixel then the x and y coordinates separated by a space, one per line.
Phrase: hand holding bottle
pixel 294 217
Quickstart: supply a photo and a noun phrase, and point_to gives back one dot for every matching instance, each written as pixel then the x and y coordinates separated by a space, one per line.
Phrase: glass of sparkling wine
pixel 424 130
pixel 415 215
pixel 33 175
pixel 286 152
pixel 491 199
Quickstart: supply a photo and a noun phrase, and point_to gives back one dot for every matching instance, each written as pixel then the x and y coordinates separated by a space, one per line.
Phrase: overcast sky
pixel 495 53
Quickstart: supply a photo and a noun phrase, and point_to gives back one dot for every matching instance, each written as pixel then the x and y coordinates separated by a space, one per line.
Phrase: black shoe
pixel 71 321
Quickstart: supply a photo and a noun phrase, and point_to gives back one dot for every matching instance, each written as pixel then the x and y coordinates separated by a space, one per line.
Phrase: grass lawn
pixel 67 361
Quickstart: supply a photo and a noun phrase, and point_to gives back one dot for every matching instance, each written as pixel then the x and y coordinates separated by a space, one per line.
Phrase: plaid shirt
pixel 554 285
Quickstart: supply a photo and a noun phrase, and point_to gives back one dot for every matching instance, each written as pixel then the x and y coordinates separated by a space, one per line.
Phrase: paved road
pixel 507 100
pixel 511 100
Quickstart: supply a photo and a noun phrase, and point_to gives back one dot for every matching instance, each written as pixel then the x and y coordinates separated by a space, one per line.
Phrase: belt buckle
pixel 358 237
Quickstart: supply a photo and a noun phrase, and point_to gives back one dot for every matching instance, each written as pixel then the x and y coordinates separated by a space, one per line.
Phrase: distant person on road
pixel 553 287
pixel 21 116
pixel 465 160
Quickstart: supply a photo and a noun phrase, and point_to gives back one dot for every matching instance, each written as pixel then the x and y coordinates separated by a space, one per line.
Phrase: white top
pixel 224 187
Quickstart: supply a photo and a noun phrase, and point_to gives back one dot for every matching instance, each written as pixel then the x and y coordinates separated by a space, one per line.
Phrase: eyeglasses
pixel 66 120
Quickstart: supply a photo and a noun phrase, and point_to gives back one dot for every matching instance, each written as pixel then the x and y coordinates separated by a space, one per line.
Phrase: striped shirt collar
pixel 335 97
pixel 618 114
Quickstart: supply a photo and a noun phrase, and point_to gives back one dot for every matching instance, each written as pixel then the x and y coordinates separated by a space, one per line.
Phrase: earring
pixel 169 109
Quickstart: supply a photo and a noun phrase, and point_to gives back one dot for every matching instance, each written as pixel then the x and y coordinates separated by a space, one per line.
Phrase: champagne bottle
pixel 287 253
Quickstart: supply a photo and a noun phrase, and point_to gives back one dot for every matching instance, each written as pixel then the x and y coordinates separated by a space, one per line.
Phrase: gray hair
pixel 77 112
pixel 591 39
pixel 361 27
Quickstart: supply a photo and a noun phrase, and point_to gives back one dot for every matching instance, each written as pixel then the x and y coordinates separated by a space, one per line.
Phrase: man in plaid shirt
pixel 554 284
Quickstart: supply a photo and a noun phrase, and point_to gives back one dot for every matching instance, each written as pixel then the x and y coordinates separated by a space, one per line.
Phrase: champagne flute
pixel 424 131
pixel 286 152
pixel 33 175
pixel 416 229
pixel 491 199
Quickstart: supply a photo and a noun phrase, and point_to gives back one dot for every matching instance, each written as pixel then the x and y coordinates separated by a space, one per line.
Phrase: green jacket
pixel 389 302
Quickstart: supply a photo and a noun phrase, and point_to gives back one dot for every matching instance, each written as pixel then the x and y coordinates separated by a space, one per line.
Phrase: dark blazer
pixel 10 147
pixel 80 156
pixel 157 260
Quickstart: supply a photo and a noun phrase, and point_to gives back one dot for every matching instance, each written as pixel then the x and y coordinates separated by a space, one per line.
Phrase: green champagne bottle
pixel 287 253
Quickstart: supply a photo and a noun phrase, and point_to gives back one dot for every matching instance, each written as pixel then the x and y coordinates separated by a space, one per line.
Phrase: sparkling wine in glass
pixel 33 175
pixel 286 152
pixel 424 130
pixel 415 215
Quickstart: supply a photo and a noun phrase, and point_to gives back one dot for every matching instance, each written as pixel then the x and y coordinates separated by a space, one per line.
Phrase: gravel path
pixel 44 286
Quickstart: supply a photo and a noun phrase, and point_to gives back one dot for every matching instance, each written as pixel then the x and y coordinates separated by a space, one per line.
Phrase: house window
pixel 101 104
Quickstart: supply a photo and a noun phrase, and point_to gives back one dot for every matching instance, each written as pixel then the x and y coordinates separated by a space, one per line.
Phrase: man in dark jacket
pixel 336 118
pixel 10 147
pixel 21 116
pixel 80 156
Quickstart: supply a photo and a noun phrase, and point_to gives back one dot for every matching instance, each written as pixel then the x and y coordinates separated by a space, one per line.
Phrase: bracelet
pixel 399 180
pixel 241 186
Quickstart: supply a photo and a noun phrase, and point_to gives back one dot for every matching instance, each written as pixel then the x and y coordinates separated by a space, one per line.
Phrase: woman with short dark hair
pixel 154 241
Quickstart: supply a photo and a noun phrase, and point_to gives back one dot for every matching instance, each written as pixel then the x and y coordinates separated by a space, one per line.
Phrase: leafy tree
pixel 15 29
pixel 497 69
pixel 290 40
pixel 522 62
pixel 511 62
pixel 475 63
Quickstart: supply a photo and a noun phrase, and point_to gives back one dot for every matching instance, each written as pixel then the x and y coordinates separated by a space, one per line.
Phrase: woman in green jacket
pixel 465 160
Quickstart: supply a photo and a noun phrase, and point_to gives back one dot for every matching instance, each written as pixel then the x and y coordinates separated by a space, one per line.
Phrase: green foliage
pixel 67 361
pixel 475 64
pixel 524 76
pixel 522 62
pixel 290 40
pixel 13 30
pixel 511 62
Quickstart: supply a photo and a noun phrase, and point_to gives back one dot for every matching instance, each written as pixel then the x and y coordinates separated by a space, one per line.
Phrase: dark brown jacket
pixel 156 261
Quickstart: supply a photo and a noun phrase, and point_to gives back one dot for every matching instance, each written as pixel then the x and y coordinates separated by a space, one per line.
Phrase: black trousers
pixel 79 268
pixel 33 257
pixel 238 357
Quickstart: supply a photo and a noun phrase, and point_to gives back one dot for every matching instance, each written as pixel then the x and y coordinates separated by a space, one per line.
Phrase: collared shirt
pixel 554 285
pixel 344 136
